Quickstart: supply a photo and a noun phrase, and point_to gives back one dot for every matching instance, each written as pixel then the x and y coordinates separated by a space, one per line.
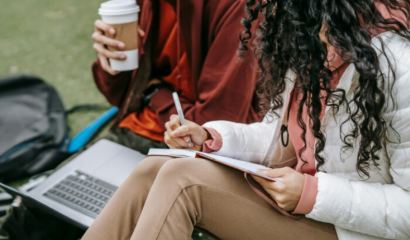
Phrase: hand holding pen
pixel 184 134
pixel 181 116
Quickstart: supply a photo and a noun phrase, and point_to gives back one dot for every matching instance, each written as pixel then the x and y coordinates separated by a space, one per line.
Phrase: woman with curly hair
pixel 334 84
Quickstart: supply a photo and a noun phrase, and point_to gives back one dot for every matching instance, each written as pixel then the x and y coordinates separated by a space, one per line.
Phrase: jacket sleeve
pixel 381 210
pixel 226 84
pixel 112 87
pixel 256 142
pixel 370 208
pixel 247 142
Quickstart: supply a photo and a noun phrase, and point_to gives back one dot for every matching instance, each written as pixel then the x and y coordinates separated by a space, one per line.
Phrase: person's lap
pixel 174 195
pixel 209 177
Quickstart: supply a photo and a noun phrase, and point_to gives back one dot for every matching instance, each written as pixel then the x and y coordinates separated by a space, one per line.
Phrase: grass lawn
pixel 52 39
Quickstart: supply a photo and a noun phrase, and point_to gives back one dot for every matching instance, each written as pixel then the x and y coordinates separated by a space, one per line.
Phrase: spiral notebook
pixel 243 166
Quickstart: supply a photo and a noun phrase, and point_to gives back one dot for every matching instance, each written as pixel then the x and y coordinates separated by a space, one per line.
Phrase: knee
pixel 149 167
pixel 178 168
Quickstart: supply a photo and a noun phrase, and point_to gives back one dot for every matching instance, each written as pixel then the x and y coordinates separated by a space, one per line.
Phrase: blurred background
pixel 52 39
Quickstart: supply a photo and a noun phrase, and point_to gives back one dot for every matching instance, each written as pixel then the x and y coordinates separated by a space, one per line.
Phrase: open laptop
pixel 79 190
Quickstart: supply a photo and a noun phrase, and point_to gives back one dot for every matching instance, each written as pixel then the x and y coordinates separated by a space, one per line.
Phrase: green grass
pixel 52 39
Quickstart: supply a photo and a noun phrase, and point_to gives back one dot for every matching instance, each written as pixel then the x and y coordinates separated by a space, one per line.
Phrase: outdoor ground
pixel 52 39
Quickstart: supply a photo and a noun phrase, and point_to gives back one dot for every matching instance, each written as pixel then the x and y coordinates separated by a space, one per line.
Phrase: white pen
pixel 180 113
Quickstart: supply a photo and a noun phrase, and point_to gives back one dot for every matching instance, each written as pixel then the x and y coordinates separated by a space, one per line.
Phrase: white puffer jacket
pixel 376 208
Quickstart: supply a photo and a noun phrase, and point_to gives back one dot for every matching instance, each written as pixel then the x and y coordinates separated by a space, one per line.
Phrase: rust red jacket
pixel 223 84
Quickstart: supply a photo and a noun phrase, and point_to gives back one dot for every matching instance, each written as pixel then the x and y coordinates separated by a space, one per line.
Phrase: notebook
pixel 243 166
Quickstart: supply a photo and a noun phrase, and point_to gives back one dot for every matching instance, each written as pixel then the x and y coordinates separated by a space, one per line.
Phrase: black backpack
pixel 33 131
pixel 34 136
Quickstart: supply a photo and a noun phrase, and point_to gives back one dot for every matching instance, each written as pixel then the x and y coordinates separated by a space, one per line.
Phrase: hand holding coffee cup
pixel 101 42
pixel 115 37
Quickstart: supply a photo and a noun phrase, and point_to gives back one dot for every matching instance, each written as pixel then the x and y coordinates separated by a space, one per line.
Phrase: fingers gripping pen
pixel 180 113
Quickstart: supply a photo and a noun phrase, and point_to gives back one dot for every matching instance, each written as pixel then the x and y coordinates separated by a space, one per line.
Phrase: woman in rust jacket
pixel 198 60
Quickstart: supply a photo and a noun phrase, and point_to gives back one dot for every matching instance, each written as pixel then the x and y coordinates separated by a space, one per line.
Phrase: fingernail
pixel 121 45
pixel 175 133
pixel 112 30
pixel 123 57
pixel 260 170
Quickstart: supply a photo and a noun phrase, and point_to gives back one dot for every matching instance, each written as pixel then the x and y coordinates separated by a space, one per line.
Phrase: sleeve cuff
pixel 214 144
pixel 100 74
pixel 308 198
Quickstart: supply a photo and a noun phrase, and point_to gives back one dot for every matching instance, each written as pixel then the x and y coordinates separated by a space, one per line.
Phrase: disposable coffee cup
pixel 122 15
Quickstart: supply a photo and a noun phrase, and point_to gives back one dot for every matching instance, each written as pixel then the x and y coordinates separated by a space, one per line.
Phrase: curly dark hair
pixel 287 37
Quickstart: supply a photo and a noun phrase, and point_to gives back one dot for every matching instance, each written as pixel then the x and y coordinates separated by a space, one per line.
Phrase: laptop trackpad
pixel 118 168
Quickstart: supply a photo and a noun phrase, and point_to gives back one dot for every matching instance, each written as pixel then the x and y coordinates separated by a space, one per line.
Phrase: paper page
pixel 237 164
pixel 240 165
pixel 180 153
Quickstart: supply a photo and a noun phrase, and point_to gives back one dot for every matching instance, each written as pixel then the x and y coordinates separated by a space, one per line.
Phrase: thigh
pixel 120 216
pixel 229 209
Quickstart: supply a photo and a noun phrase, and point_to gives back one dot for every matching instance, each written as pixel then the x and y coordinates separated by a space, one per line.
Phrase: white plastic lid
pixel 118 7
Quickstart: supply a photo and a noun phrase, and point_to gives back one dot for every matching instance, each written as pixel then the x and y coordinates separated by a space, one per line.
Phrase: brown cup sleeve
pixel 126 33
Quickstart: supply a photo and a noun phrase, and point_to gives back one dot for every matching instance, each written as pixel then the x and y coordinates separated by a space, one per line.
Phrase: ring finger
pixel 103 51
pixel 97 37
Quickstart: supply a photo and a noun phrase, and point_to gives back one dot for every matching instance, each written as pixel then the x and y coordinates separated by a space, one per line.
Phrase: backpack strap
pixel 85 107
pixel 92 129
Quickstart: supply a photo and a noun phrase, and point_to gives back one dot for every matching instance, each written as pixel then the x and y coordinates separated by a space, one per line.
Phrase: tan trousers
pixel 166 198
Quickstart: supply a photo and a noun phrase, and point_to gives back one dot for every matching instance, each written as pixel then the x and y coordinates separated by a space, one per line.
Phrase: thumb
pixel 273 173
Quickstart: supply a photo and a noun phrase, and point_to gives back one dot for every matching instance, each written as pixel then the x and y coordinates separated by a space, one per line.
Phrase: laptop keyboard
pixel 82 193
